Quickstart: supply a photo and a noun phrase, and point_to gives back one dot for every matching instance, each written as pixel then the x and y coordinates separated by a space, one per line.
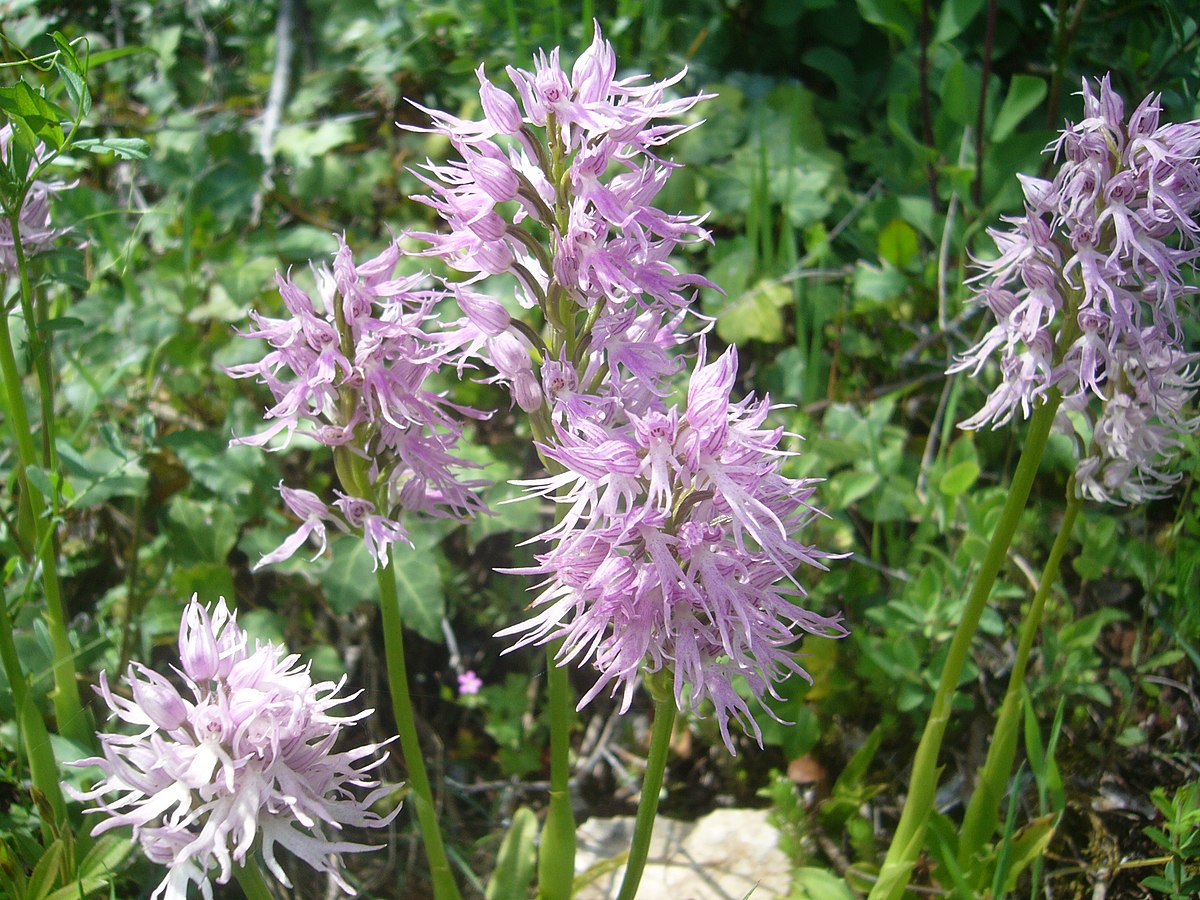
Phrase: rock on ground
pixel 730 854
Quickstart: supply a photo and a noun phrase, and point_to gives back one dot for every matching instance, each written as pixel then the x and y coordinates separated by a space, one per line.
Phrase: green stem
pixel 656 764
pixel 444 887
pixel 556 859
pixel 72 722
pixel 250 877
pixel 982 815
pixel 40 351
pixel 906 842
pixel 43 770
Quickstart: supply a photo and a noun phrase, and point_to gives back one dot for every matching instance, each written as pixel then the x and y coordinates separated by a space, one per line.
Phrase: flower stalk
pixel 444 886
pixel 907 839
pixel 982 816
pixel 556 860
pixel 659 685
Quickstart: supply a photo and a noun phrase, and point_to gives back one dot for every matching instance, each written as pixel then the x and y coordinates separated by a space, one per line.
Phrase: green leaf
pixel 125 148
pixel 105 855
pixel 810 883
pixel 515 864
pixel 954 17
pixel 41 481
pixel 1029 845
pixel 960 93
pixel 755 315
pixel 349 579
pixel 42 117
pixel 67 56
pixel 878 284
pixel 898 243
pixel 890 15
pixel 419 587
pixel 60 323
pixel 201 531
pixel 47 873
pixel 1025 94
pixel 101 57
pixel 76 89
pixel 958 479
pixel 208 579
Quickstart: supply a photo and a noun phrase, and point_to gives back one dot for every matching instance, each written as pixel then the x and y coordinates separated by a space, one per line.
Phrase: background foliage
pixel 851 161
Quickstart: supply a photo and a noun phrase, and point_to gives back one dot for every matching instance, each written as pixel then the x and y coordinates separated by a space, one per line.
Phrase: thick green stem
pixel 254 885
pixel 556 859
pixel 72 722
pixel 444 887
pixel 910 832
pixel 982 815
pixel 656 764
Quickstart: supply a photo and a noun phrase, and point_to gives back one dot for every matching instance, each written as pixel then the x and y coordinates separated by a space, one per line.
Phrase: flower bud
pixel 197 644
pixel 501 109
pixel 157 698
pixel 486 313
pixel 494 177
pixel 527 392
pixel 509 355
pixel 488 226
pixel 594 70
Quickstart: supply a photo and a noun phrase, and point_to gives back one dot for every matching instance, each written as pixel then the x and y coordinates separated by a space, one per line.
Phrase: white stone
pixel 724 856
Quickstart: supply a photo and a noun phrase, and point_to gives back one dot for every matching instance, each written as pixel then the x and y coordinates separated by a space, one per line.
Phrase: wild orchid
pixel 237 758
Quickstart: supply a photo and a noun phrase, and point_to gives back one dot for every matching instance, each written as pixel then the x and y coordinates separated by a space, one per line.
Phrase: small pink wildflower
pixel 469 683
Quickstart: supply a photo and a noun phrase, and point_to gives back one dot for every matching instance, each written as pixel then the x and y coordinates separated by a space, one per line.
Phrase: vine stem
pixel 906 842
pixel 444 887
pixel 656 764
pixel 982 815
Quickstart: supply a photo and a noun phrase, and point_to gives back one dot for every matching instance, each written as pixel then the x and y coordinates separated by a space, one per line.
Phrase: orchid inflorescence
pixel 679 549
pixel 1086 292
pixel 241 756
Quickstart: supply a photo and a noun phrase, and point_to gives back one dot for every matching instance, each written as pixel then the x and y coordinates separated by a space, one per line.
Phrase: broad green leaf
pixel 960 93
pixel 1025 94
pixel 516 861
pixel 201 531
pixel 207 579
pixel 349 579
pixel 42 117
pixel 810 883
pixel 878 284
pixel 890 15
pixel 955 16
pixel 419 587
pixel 898 243
pixel 958 479
pixel 755 314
